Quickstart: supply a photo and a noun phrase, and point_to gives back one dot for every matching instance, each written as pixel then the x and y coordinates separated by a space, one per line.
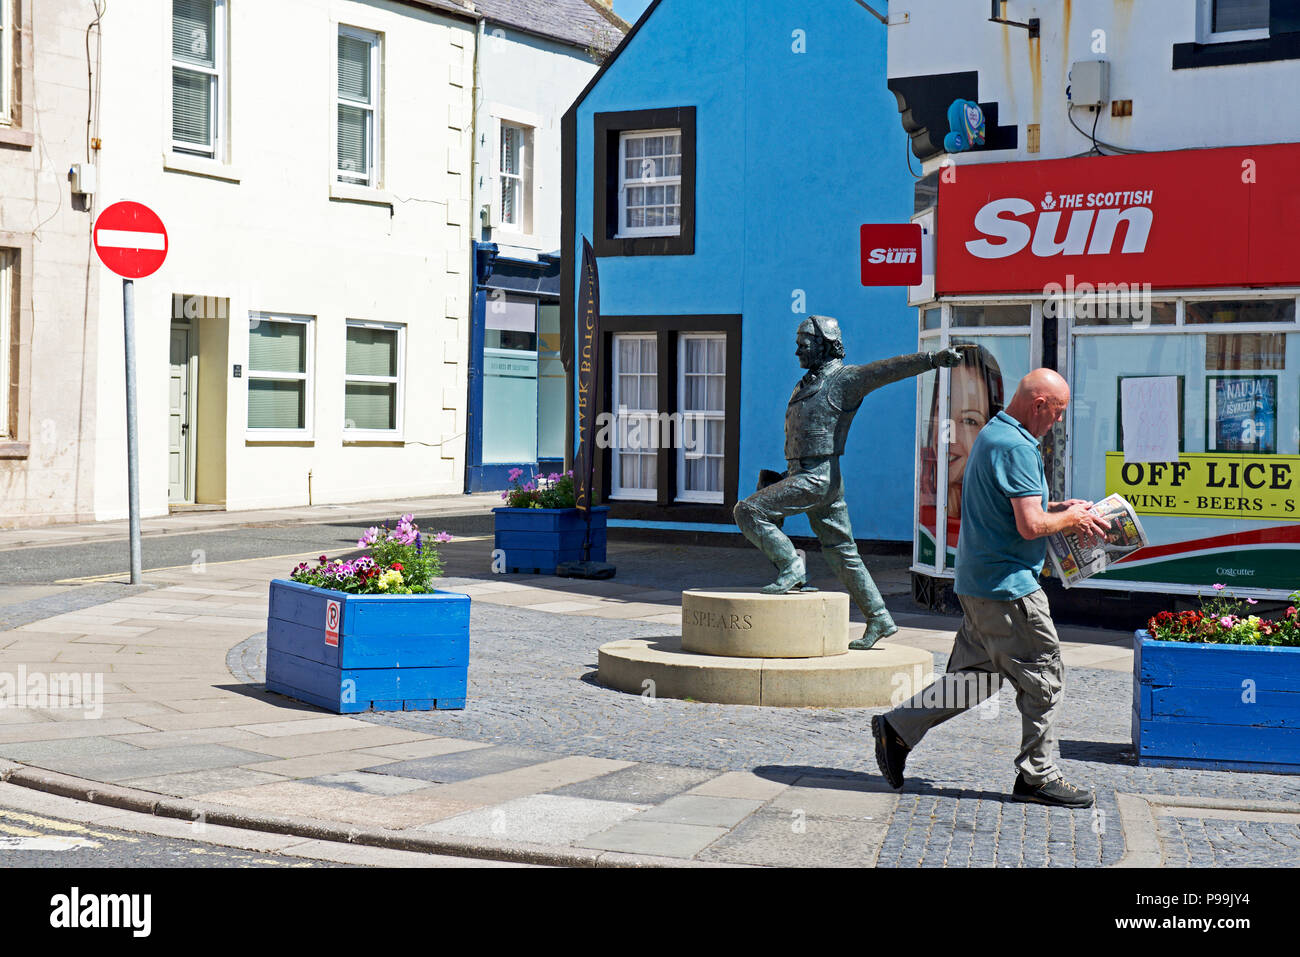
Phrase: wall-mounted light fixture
pixel 999 16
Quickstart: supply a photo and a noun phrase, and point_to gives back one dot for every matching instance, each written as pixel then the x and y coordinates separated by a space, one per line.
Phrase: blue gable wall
pixel 795 152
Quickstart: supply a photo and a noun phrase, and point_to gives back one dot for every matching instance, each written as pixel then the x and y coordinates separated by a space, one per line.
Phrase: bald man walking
pixel 1006 630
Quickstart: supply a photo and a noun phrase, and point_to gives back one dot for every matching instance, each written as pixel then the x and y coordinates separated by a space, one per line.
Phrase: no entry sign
pixel 131 240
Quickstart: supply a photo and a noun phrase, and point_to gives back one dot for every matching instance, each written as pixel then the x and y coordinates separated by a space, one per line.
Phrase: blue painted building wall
pixel 795 151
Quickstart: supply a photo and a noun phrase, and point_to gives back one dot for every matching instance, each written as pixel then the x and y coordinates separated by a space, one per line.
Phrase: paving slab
pixel 141 762
pixel 539 819
pixel 775 838
pixel 660 838
pixel 176 739
pixel 368 782
pixel 430 747
pixel 191 783
pixel 639 784
pixel 866 799
pixel 533 779
pixel 744 784
pixel 463 765
pixel 309 722
pixel 39 752
pixel 702 810
pixel 327 742
pixel 316 764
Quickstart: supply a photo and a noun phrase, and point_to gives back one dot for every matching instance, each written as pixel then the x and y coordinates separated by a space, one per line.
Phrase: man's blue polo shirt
pixel 993 561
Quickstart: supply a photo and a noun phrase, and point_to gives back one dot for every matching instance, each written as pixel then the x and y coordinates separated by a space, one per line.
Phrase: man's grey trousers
pixel 1015 640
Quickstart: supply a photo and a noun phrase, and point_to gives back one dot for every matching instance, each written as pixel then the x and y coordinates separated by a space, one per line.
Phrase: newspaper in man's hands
pixel 1075 561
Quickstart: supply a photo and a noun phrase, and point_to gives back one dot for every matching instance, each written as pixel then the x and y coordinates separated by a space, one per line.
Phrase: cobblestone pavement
pixel 532 685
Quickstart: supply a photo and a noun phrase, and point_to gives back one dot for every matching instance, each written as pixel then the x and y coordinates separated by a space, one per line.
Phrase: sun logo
pixel 1049 201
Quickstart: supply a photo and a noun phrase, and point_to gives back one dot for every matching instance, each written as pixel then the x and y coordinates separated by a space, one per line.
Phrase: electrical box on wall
pixel 83 178
pixel 1089 83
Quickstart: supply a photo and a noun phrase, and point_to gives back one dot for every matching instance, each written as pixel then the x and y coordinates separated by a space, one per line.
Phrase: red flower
pixel 397 565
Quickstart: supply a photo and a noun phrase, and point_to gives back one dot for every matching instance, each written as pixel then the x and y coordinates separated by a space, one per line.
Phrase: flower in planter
pixel 1220 622
pixel 398 563
pixel 554 491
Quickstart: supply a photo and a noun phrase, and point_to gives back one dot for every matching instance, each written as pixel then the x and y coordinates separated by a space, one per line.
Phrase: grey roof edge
pixel 449 7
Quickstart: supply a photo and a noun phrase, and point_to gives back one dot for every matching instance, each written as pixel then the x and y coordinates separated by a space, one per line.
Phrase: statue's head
pixel 818 341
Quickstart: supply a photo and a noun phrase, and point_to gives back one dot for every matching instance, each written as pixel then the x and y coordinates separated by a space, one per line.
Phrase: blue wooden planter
pixel 536 540
pixel 1226 707
pixel 351 653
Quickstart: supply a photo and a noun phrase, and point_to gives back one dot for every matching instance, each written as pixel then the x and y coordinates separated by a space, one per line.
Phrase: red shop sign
pixel 891 254
pixel 1185 219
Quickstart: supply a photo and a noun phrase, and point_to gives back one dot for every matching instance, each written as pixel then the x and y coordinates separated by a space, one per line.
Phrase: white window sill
pixel 354 438
pixel 200 166
pixel 648 496
pixel 1237 36
pixel 688 499
pixel 349 193
pixel 271 435
pixel 649 235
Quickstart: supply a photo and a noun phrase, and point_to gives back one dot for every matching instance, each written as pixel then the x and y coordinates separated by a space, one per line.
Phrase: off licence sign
pixel 1209 485
pixel 131 240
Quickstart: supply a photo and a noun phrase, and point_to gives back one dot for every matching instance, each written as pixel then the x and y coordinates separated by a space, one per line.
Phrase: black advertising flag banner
pixel 588 366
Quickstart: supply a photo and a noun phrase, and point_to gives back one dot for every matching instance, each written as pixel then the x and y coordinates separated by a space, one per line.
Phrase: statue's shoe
pixel 794 577
pixel 882 626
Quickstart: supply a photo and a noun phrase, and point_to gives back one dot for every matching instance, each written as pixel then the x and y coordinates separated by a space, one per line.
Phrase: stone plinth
pixel 855 679
pixel 743 623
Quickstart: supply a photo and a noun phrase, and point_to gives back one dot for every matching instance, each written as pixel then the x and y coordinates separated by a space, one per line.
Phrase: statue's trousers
pixel 812 487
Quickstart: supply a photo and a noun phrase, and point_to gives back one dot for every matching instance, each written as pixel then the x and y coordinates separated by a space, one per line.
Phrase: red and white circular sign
pixel 131 240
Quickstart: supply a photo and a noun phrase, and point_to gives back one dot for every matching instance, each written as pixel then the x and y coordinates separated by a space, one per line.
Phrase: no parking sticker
pixel 332 609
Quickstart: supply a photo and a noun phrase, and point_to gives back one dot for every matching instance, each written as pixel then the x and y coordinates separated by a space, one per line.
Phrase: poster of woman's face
pixel 975 395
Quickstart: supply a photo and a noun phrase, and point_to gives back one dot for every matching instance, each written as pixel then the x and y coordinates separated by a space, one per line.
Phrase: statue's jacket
pixel 825 401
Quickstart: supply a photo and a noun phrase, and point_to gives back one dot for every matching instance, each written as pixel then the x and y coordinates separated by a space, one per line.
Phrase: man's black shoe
pixel 891 752
pixel 1054 793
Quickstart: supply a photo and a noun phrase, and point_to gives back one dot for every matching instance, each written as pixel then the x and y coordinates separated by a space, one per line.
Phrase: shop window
pixel 978 389
pixel 644 199
pixel 510 359
pixel 279 374
pixel 990 315
pixel 1122 311
pixel 552 384
pixel 931 318
pixel 372 373
pixel 199 79
pixel 1247 310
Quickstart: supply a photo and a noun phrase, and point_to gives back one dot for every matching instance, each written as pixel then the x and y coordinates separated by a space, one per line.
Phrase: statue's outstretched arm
pixel 859 380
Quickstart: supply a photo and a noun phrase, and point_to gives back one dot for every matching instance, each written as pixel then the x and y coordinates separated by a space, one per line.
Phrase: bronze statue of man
pixel 817 424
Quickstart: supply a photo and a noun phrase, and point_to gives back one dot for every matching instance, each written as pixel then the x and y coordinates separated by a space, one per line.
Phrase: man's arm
pixel 859 380
pixel 1033 522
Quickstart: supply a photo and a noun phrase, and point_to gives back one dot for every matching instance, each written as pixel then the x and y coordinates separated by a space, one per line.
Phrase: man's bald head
pixel 1040 400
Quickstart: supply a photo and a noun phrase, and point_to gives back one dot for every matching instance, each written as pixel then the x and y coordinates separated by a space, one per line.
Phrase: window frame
pixel 7 258
pixel 607 179
pixel 374 131
pixel 667 330
pixel 682 493
pixel 617 490
pixel 7 11
pixel 308 377
pixel 219 77
pixel 622 229
pixel 1207 34
pixel 398 381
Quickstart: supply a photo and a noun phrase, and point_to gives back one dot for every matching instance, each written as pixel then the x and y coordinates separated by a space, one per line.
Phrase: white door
pixel 179 430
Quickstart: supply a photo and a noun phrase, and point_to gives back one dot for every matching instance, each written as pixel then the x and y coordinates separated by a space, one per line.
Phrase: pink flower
pixel 1251 601
pixel 515 473
pixel 504 496
pixel 1226 621
pixel 1218 587
pixel 442 537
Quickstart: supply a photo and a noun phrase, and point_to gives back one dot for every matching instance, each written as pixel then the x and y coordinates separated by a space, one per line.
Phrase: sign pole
pixel 131 241
pixel 132 438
